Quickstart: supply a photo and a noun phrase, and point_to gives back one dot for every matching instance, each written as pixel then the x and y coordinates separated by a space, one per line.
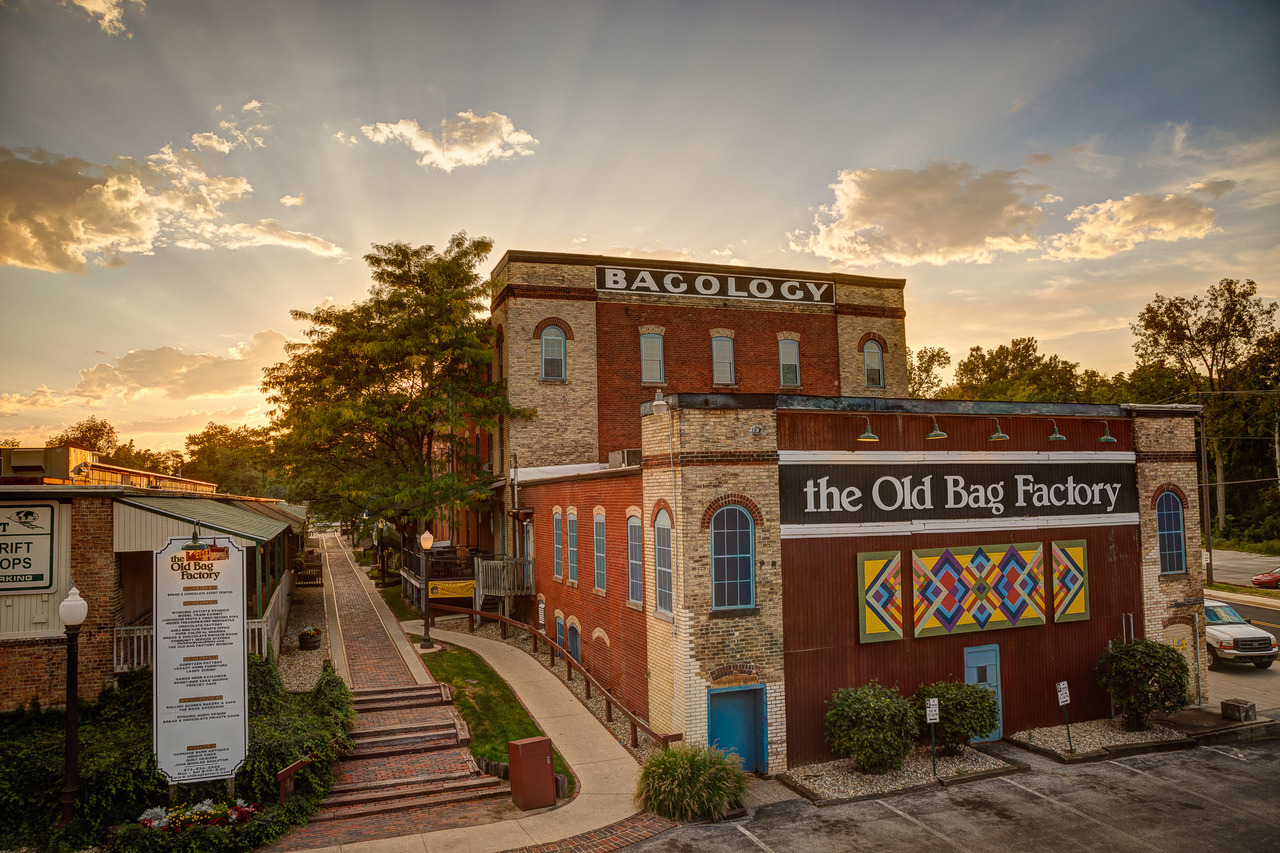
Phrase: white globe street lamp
pixel 72 611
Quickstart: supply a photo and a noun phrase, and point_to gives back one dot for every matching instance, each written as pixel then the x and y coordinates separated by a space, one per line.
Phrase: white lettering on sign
pixel 660 281
pixel 1064 696
pixel 27 547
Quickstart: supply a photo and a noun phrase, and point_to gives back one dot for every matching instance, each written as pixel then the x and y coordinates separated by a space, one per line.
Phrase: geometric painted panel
pixel 880 596
pixel 978 588
pixel 1070 581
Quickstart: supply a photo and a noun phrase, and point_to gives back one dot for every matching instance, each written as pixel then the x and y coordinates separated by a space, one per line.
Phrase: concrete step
pixel 407 788
pixel 406 803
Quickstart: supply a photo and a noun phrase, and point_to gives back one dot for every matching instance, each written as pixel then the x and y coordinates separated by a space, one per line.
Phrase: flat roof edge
pixel 894 405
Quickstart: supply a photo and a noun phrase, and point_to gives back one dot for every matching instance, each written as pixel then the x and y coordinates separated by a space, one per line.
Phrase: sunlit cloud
pixel 294 200
pixel 469 140
pixel 253 106
pixel 60 214
pixel 233 134
pixel 345 139
pixel 1214 189
pixel 189 421
pixel 1115 226
pixel 947 212
pixel 108 13
pixel 172 373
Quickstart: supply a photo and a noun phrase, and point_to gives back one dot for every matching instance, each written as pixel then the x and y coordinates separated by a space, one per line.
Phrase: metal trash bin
pixel 533 784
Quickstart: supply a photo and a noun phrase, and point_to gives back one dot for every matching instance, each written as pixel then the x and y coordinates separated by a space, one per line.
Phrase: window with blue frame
pixel 553 353
pixel 635 562
pixel 573 547
pixel 873 364
pixel 1169 534
pixel 559 634
pixel 574 646
pixel 732 559
pixel 557 545
pixel 652 368
pixel 789 362
pixel 722 359
pixel 598 540
pixel 663 577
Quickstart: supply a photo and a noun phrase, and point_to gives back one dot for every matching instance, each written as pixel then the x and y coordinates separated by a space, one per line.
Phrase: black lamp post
pixel 72 611
pixel 426 541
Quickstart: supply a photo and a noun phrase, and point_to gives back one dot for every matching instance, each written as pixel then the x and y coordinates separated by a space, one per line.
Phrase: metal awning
pixel 278 511
pixel 212 515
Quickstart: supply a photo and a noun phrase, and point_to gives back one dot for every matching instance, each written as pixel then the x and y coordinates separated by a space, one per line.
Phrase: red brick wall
pixel 622 665
pixel 36 668
pixel 687 358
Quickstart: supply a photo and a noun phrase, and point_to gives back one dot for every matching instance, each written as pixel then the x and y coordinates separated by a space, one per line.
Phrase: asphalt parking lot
pixel 1210 797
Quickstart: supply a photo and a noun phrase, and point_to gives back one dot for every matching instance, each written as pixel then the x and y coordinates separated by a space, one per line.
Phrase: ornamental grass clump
pixel 687 782
pixel 965 712
pixel 1144 677
pixel 873 725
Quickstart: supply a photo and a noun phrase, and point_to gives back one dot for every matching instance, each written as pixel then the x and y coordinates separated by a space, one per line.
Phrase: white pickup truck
pixel 1232 638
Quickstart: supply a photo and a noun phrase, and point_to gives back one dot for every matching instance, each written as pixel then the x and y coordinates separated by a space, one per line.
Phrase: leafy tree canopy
pixel 376 409
pixel 238 460
pixel 92 433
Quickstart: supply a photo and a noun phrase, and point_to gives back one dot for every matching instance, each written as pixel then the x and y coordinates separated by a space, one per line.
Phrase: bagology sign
pixel 744 285
pixel 201 709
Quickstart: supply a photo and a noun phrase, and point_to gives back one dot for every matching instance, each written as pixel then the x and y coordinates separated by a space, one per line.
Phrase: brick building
pixel 732 510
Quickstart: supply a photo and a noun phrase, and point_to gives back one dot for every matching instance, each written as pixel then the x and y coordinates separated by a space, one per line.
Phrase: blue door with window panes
pixel 982 667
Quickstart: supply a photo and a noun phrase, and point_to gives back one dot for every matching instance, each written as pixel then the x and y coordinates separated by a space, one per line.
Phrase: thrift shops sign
pixel 201 704
pixel 26 547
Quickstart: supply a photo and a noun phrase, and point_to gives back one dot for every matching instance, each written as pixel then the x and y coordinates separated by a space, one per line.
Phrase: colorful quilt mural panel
pixel 1070 581
pixel 978 588
pixel 880 596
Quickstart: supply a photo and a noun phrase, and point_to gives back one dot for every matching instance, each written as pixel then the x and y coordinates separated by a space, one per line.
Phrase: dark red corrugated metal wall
pixel 820 599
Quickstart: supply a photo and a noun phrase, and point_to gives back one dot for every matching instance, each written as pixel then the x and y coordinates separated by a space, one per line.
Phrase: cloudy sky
pixel 176 176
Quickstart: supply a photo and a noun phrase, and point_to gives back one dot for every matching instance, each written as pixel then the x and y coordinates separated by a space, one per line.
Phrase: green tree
pixel 1206 338
pixel 238 460
pixel 922 371
pixel 1016 371
pixel 92 433
pixel 127 455
pixel 10 442
pixel 374 409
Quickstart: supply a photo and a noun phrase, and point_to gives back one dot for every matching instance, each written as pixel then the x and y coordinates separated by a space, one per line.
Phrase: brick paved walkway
pixel 371 656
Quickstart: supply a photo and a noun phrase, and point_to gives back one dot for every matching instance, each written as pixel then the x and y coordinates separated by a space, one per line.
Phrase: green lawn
pixel 484 700
pixel 402 611
pixel 1243 590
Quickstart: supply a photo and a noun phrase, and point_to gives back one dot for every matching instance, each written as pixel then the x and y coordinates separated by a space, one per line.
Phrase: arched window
pixel 553 353
pixel 789 361
pixel 635 563
pixel 573 547
pixel 663 578
pixel 598 540
pixel 557 545
pixel 733 545
pixel 574 643
pixel 873 364
pixel 542 616
pixel 651 366
pixel 559 633
pixel 1173 551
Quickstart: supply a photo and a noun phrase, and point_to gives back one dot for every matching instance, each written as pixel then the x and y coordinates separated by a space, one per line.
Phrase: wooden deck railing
pixel 553 649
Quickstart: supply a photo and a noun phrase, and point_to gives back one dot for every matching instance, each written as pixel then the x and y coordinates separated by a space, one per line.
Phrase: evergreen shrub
pixel 1144 677
pixel 873 725
pixel 965 712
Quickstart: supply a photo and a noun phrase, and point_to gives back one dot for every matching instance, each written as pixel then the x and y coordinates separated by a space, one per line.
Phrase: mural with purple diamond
pixel 880 596
pixel 1070 581
pixel 977 588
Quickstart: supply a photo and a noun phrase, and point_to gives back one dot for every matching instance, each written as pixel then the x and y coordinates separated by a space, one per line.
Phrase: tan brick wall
pixel 1165 448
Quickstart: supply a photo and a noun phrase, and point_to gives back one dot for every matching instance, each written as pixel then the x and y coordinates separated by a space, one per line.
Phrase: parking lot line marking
pixel 1073 810
pixel 1237 757
pixel 1167 784
pixel 757 841
pixel 946 838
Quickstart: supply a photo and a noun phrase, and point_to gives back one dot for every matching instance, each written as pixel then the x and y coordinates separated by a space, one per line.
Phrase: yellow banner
pixel 452 589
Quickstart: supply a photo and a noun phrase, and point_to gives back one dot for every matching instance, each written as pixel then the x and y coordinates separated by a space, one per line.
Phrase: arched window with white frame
pixel 553 355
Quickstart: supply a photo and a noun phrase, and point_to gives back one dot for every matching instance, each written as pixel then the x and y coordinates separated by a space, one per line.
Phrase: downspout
pixel 1205 521
pixel 1199 647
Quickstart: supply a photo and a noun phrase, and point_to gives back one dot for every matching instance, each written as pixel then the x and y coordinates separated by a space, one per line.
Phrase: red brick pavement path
pixel 372 657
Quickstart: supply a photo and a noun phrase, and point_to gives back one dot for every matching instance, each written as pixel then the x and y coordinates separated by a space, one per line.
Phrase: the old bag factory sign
pixel 744 285
pixel 865 497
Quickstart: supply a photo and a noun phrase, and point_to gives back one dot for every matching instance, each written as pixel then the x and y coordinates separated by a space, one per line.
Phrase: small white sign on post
pixel 201 708
pixel 931 711
pixel 1064 696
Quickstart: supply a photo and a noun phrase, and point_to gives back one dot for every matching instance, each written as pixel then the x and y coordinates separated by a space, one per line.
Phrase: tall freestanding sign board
pixel 201 709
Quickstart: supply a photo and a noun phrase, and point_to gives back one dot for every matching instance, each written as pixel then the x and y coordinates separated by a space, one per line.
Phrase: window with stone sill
pixel 1169 534
pixel 722 361
pixel 789 362
pixel 553 354
pixel 652 369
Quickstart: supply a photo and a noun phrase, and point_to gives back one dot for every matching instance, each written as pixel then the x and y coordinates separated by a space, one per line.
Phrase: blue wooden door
pixel 735 724
pixel 982 666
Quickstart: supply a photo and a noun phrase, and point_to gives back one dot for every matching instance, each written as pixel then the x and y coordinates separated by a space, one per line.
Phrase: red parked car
pixel 1268 580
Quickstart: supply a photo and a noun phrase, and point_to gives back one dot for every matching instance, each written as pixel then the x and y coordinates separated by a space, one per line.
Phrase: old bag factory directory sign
pixel 201 708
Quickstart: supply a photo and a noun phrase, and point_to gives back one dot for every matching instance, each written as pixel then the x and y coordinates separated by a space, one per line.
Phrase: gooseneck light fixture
pixel 867 434
pixel 936 433
pixel 1106 437
pixel 1057 436
pixel 72 611
pixel 999 434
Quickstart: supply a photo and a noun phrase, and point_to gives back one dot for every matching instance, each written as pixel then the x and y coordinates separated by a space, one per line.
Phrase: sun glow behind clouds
pixel 471 140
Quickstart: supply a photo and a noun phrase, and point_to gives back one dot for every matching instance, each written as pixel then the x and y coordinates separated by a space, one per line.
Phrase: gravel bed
pixel 839 780
pixel 620 727
pixel 301 669
pixel 1092 735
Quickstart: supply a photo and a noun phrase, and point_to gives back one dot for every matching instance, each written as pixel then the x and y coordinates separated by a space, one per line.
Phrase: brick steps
pixel 402 698
pixel 487 789
pixel 401 789
pixel 379 784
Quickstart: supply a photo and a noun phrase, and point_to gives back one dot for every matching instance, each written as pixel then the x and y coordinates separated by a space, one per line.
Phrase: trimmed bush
pixel 873 725
pixel 965 711
pixel 690 782
pixel 1144 677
